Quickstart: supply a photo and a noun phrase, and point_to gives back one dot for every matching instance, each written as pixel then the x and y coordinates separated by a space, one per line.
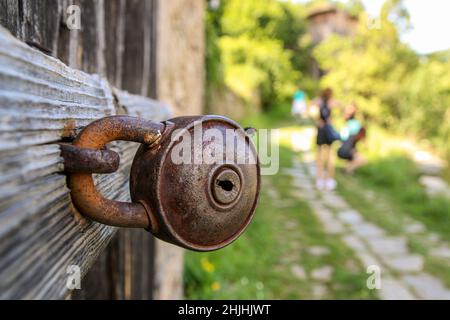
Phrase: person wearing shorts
pixel 326 135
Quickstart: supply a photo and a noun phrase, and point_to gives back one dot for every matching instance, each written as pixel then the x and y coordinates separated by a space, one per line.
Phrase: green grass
pixel 387 192
pixel 278 117
pixel 398 194
pixel 258 265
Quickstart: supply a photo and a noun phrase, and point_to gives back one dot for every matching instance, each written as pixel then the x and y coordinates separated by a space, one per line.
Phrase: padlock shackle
pixel 85 195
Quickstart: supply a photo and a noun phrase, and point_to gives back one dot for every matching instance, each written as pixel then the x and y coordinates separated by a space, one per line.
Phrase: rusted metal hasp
pixel 84 193
pixel 86 160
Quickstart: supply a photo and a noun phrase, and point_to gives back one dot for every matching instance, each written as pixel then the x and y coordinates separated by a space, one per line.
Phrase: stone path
pixel 431 167
pixel 402 272
pixel 428 163
pixel 435 186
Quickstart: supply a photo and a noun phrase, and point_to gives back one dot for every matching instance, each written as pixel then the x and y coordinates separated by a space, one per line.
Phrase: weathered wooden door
pixel 43 102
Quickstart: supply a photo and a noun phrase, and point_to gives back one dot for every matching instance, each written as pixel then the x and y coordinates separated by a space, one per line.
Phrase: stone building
pixel 326 20
pixel 329 19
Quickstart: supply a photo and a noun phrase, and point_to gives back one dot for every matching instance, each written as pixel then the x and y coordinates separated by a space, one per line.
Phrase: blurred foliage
pixel 249 67
pixel 259 49
pixel 368 68
pixel 392 85
pixel 214 69
pixel 353 7
pixel 425 103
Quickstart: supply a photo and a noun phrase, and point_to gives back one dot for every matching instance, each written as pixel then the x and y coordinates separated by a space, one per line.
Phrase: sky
pixel 430 21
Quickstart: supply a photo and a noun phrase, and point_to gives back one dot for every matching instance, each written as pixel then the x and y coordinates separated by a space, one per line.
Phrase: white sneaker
pixel 330 184
pixel 320 184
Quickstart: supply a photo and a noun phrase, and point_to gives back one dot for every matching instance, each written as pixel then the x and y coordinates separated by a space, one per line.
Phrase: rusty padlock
pixel 188 187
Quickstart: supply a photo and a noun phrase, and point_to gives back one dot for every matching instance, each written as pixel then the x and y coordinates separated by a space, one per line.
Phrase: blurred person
pixel 326 135
pixel 351 134
pixel 299 107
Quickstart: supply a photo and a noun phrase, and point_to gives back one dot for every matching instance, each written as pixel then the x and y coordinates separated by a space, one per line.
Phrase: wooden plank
pixel 128 261
pixel 66 37
pixel 42 101
pixel 124 270
pixel 152 90
pixel 10 16
pixel 40 24
pixel 42 97
pixel 88 37
pixel 142 278
pixel 133 69
pixel 115 37
pixel 140 106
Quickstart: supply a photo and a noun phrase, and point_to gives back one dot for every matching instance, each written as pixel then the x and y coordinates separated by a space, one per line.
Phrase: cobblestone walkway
pixel 402 272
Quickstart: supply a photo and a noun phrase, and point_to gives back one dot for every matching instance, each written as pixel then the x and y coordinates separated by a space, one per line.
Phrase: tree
pixel 259 46
pixel 391 84
pixel 425 103
pixel 370 67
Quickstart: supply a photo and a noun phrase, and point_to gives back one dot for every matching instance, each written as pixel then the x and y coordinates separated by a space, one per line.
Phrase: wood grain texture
pixel 40 23
pixel 43 97
pixel 42 101
pixel 9 15
pixel 129 258
pixel 138 28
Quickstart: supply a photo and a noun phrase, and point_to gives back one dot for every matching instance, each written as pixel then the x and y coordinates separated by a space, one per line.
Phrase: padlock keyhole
pixel 226 185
